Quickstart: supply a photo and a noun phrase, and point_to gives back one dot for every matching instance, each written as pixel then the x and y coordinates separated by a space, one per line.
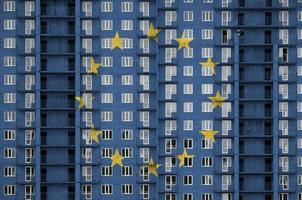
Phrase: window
pixel 87 8
pixel 29 118
pixel 144 8
pixel 9 79
pixel 106 134
pixel 284 163
pixel 226 127
pixel 107 98
pixel 127 7
pixel 9 171
pixel 106 116
pixel 206 144
pixel 29 8
pixel 170 17
pixel 9 134
pixel 226 18
pixel 284 18
pixel 9 6
pixel 9 24
pixel 144 154
pixel 187 196
pixel 106 79
pixel 188 71
pixel 9 61
pixel 106 6
pixel 226 54
pixel 87 82
pixel 9 98
pixel 144 190
pixel 207 34
pixel 283 36
pixel 226 146
pixel 29 63
pixel 127 25
pixel 206 53
pixel 207 196
pixel 206 180
pixel 144 99
pixel 284 181
pixel 188 106
pixel 188 180
pixel 106 61
pixel 127 152
pixel 188 88
pixel 170 181
pixel 226 163
pixel 226 182
pixel 9 43
pixel 106 189
pixel 170 35
pixel 106 171
pixel 170 145
pixel 127 61
pixel 188 143
pixel 206 162
pixel 87 191
pixel 188 125
pixel 206 107
pixel 127 188
pixel 9 116
pixel 206 125
pixel 127 43
pixel 106 25
pixel 188 15
pixel 87 45
pixel 207 15
pixel 87 173
pixel 225 4
pixel 87 27
pixel 127 171
pixel 127 116
pixel 207 89
pixel 106 152
pixel 299 143
pixel 299 13
pixel 9 190
pixel 126 134
pixel 9 153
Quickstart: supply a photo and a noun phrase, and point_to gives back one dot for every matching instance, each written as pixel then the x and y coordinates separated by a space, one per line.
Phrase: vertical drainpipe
pixel 77 93
pixel 157 100
pixel 236 116
pixel 275 122
pixel 37 97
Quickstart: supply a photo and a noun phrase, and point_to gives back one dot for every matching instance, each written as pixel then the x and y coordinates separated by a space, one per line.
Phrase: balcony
pixel 43 195
pixel 50 11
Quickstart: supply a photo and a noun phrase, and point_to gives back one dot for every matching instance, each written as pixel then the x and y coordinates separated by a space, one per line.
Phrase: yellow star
pixel 117 159
pixel 81 101
pixel 209 134
pixel 210 64
pixel 116 42
pixel 183 42
pixel 152 167
pixel 183 156
pixel 152 33
pixel 217 100
pixel 95 134
pixel 93 67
